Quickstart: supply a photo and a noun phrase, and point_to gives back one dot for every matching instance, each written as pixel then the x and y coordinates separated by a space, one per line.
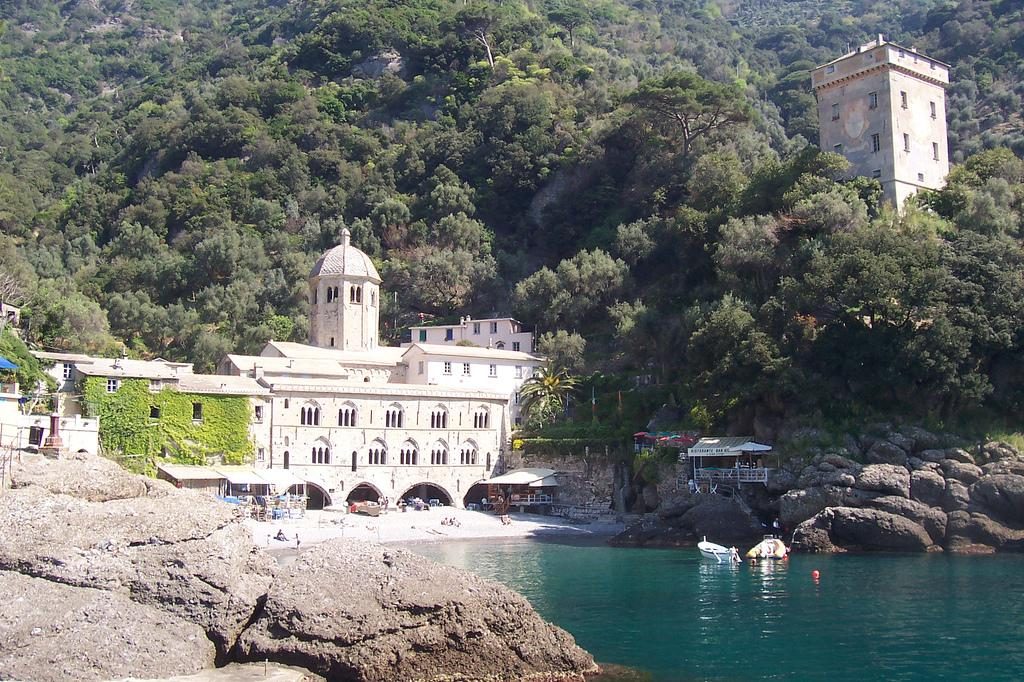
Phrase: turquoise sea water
pixel 678 617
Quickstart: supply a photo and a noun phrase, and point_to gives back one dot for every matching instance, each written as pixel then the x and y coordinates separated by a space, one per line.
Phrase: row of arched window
pixel 393 418
pixel 406 456
pixel 321 455
pixel 309 416
pixel 355 295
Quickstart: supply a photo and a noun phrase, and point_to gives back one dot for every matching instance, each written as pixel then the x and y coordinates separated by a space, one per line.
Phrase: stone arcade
pixel 357 420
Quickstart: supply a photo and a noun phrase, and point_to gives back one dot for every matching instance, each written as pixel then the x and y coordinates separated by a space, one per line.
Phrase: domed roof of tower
pixel 345 259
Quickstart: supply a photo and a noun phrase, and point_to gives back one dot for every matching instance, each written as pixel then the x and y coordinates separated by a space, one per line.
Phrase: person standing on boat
pixel 734 555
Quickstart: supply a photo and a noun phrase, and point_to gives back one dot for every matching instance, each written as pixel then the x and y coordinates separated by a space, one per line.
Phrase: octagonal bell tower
pixel 344 297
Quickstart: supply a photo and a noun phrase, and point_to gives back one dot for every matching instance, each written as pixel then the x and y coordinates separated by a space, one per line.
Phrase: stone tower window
pixel 872 100
pixel 876 143
pixel 903 98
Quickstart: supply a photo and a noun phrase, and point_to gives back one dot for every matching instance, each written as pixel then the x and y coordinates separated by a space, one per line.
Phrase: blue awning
pixel 7 364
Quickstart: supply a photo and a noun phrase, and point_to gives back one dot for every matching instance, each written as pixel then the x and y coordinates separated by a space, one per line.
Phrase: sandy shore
pixel 417 526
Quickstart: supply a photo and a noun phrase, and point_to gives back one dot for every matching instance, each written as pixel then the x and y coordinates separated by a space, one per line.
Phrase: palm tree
pixel 545 394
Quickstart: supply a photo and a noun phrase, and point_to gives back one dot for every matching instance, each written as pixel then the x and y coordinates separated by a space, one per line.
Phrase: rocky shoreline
pixel 109 575
pixel 902 490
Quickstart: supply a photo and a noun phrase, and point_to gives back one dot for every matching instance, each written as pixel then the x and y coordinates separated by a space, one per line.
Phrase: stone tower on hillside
pixel 883 107
pixel 344 294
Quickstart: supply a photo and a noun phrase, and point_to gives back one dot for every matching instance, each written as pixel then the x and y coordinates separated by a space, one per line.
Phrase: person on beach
pixel 280 535
pixel 296 541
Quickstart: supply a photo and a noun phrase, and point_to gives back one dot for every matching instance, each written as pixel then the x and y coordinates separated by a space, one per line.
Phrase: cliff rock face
pixel 109 575
pixel 935 499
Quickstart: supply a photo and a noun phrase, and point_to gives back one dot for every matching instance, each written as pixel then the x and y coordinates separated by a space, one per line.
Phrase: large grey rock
pixel 974 533
pixel 1004 466
pixel 932 455
pixel 884 452
pixel 995 451
pixel 797 506
pixel 959 455
pixel 872 529
pixel 885 478
pixel 817 478
pixel 50 631
pixel 812 536
pixel 721 518
pixel 1002 496
pixel 922 439
pixel 903 441
pixel 957 496
pixel 927 487
pixel 81 475
pixel 961 471
pixel 931 519
pixel 840 461
pixel 397 616
pixel 387 61
pixel 855 497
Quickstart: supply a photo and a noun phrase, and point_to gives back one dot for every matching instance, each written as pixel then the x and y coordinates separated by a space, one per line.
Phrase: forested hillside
pixel 641 175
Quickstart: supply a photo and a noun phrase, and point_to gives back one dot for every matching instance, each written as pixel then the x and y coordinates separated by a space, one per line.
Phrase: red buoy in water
pixel 815 574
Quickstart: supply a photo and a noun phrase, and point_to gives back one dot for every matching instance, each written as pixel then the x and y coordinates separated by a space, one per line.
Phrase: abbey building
pixel 356 419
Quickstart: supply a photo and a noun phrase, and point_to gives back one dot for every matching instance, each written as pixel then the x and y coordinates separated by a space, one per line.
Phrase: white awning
pixel 189 472
pixel 725 447
pixel 282 479
pixel 535 478
pixel 241 475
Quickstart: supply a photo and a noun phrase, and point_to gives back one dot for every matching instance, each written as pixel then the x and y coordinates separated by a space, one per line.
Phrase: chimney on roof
pixel 881 39
pixel 346 236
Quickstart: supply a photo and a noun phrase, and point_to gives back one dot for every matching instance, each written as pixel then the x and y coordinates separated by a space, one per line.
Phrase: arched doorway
pixel 316 497
pixel 475 495
pixel 427 492
pixel 286 458
pixel 364 492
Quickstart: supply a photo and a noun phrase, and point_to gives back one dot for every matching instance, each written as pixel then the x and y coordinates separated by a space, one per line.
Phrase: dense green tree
pixel 690 106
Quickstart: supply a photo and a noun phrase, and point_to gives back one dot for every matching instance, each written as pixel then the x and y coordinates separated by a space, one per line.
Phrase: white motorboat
pixel 710 550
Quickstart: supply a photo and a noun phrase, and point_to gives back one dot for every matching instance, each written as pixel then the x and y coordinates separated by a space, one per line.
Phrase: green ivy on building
pixel 143 424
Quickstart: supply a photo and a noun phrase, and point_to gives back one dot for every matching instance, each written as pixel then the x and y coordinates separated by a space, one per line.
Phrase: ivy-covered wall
pixel 126 425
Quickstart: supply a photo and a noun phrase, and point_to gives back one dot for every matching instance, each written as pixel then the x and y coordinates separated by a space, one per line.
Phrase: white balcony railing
pixel 731 475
